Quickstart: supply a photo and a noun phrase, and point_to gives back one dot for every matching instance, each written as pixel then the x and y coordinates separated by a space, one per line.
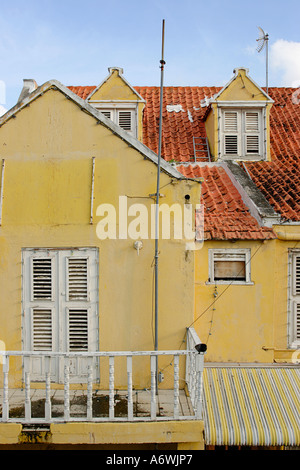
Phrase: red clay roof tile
pixel 184 111
pixel 226 217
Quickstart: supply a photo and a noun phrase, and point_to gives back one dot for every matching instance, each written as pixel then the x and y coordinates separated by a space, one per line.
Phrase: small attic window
pixel 125 118
pixel 229 266
pixel 242 133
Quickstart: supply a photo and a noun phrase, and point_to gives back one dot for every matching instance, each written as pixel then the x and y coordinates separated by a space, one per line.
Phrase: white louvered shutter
pixel 42 278
pixel 294 284
pixel 230 121
pixel 296 275
pixel 78 291
pixel 252 132
pixel 231 132
pixel 42 329
pixel 252 121
pixel 77 279
pixel 297 321
pixel 296 293
pixel 125 120
pixel 107 114
pixel 78 329
pixel 60 298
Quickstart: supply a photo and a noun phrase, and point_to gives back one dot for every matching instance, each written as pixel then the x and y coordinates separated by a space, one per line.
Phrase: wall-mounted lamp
pixel 138 245
pixel 201 348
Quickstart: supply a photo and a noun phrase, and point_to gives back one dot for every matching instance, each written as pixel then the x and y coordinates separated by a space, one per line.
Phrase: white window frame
pixel 60 304
pixel 294 299
pixel 239 254
pixel 115 108
pixel 241 132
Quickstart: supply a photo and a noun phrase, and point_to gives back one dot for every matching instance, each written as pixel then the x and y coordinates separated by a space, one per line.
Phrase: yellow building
pixel 84 157
pixel 245 145
pixel 77 279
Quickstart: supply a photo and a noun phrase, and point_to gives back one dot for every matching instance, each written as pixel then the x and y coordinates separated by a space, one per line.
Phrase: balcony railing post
pixel 48 385
pixel 90 390
pixel 176 387
pixel 67 389
pixel 5 405
pixel 111 387
pixel 129 388
pixel 153 364
pixel 27 389
pixel 199 378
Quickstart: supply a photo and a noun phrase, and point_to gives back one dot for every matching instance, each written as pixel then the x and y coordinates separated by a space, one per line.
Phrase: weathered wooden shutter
pixel 78 329
pixel 42 329
pixel 294 294
pixel 124 120
pixel 230 132
pixel 60 298
pixel 107 114
pixel 252 144
pixel 42 278
pixel 252 122
pixel 231 144
pixel 296 275
pixel 252 132
pixel 77 279
pixel 230 121
pixel 297 321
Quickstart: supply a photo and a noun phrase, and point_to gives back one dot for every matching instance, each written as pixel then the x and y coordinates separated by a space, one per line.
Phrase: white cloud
pixel 285 59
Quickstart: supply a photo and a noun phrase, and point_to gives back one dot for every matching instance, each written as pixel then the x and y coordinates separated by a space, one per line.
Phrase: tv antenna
pixel 263 42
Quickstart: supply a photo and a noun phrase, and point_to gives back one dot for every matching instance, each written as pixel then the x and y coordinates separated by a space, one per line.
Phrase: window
pixel 229 266
pixel 242 133
pixel 294 298
pixel 125 118
pixel 60 300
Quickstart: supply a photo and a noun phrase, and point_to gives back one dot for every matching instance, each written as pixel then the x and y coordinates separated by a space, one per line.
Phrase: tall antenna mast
pixel 263 41
pixel 162 63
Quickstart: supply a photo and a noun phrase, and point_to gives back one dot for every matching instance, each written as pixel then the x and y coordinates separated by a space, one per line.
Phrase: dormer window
pixel 125 118
pixel 241 133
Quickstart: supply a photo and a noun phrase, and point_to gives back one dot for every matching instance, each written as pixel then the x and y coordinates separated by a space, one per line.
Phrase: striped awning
pixel 251 406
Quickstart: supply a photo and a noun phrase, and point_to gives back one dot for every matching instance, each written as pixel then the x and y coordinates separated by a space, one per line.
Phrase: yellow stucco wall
pixel 246 323
pixel 48 149
pixel 172 435
pixel 236 321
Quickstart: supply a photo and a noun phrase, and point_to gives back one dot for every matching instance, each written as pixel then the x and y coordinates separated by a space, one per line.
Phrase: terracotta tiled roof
pixel 226 217
pixel 183 111
pixel 279 180
pixel 82 91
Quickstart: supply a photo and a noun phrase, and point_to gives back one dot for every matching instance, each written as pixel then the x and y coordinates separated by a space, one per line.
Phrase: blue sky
pixel 76 41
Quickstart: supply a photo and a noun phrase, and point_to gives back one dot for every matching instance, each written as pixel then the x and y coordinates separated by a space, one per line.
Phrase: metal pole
pixel 267 63
pixel 162 63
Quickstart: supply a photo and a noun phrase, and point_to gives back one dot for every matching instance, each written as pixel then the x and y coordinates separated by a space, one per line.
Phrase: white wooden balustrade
pixel 193 378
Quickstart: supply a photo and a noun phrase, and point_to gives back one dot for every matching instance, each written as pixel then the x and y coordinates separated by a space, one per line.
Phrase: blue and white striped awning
pixel 252 406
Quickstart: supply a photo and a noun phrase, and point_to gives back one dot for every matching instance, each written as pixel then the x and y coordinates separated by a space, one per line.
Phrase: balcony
pixel 44 402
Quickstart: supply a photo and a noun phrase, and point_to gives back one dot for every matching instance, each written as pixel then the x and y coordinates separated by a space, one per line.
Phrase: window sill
pixel 236 283
pixel 245 158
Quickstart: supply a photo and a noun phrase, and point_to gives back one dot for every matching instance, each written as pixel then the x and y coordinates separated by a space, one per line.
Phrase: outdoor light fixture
pixel 201 348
